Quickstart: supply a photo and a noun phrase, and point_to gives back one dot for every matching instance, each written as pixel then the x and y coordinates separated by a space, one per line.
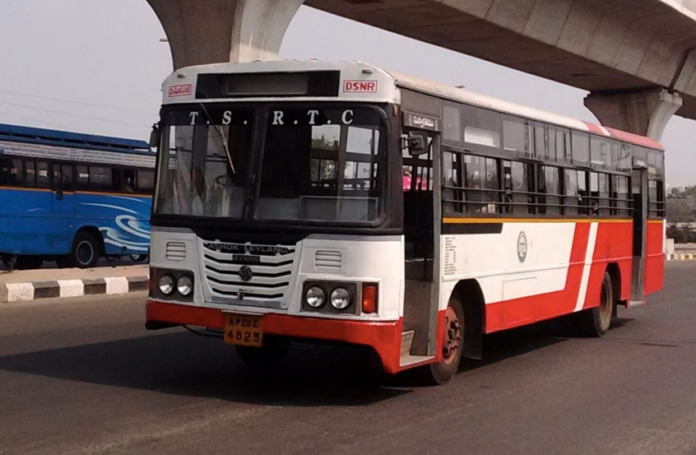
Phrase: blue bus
pixel 72 198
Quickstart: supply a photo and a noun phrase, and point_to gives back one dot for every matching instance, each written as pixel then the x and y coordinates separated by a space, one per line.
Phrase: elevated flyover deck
pixel 637 58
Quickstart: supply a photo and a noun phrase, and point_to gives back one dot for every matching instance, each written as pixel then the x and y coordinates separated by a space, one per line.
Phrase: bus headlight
pixel 166 284
pixel 315 297
pixel 185 285
pixel 341 298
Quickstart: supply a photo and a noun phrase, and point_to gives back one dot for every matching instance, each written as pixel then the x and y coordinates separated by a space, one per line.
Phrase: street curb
pixel 25 292
pixel 681 257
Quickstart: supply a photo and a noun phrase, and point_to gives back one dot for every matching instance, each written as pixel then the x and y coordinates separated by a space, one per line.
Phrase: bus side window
pixel 116 182
pixel 146 182
pixel 30 176
pixel 100 178
pixel 11 172
pixel 42 178
pixel 66 171
pixel 452 194
pixel 82 178
pixel 583 195
pixel 572 200
pixel 594 193
pixel 127 181
pixel 515 187
pixel 621 195
pixel 542 190
pixel 604 195
pixel 507 186
pixel 552 190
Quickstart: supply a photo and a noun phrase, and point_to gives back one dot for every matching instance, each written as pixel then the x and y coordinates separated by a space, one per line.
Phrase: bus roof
pixel 69 139
pixel 180 87
pixel 476 99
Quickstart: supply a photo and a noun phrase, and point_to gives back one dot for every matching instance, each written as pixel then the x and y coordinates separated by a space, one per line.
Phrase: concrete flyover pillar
pixel 216 31
pixel 645 112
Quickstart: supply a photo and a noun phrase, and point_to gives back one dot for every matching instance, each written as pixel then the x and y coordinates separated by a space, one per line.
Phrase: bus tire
pixel 10 261
pixel 596 322
pixel 452 346
pixel 138 257
pixel 85 251
pixel 267 357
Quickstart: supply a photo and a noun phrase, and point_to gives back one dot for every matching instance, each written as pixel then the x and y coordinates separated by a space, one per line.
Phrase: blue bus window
pixel 127 181
pixel 146 181
pixel 42 177
pixel 30 176
pixel 67 177
pixel 100 178
pixel 10 172
pixel 82 177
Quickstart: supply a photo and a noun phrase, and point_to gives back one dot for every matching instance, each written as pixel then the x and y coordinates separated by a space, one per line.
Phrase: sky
pixel 96 66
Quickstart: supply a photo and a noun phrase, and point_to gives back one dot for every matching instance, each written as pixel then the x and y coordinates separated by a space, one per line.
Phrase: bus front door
pixel 62 206
pixel 421 232
pixel 640 228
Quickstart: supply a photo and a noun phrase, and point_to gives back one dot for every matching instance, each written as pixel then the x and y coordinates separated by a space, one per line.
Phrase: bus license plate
pixel 244 330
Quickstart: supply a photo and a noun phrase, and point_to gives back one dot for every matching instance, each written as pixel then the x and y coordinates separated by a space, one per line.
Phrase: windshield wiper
pixel 225 145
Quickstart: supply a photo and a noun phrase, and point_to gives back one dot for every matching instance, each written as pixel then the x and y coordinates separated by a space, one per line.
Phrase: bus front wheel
pixel 85 251
pixel 452 346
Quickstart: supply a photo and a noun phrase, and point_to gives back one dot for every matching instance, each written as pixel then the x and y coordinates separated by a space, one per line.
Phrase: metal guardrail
pixel 685 246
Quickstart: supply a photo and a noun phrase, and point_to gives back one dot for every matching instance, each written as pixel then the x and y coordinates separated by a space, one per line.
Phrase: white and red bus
pixel 339 202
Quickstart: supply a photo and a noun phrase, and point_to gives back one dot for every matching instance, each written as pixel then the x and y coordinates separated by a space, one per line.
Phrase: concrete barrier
pixel 669 246
pixel 681 257
pixel 32 285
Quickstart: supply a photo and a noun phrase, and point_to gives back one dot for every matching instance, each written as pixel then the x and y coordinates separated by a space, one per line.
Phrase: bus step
pixel 407 342
pixel 412 360
pixel 635 303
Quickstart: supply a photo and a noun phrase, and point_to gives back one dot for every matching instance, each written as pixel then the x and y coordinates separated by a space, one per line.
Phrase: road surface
pixel 84 377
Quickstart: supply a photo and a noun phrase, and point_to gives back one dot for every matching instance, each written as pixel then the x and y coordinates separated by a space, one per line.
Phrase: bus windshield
pixel 296 163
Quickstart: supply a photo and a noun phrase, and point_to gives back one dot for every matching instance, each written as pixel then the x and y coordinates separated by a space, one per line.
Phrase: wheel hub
pixel 606 307
pixel 452 336
pixel 84 253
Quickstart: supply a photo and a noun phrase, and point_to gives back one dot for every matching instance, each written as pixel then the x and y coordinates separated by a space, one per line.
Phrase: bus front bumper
pixel 383 337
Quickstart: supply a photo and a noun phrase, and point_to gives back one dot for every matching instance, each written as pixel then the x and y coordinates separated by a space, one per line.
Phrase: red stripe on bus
pixel 635 139
pixel 613 245
pixel 624 136
pixel 595 129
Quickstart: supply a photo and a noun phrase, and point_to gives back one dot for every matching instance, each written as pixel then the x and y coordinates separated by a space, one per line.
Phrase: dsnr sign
pixel 360 86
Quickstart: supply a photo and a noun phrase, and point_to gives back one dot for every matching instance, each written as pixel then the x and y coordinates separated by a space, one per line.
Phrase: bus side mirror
pixel 155 136
pixel 417 143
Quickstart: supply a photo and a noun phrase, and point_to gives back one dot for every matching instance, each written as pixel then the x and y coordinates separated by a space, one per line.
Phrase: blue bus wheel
pixel 85 251
pixel 138 257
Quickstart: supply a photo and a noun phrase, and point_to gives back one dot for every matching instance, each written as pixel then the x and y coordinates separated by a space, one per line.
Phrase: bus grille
pixel 248 273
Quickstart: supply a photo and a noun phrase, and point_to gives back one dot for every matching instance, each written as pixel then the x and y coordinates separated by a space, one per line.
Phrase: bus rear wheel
pixel 597 321
pixel 452 346
pixel 85 251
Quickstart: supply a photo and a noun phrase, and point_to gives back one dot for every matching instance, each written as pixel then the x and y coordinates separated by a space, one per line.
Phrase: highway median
pixel 30 285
